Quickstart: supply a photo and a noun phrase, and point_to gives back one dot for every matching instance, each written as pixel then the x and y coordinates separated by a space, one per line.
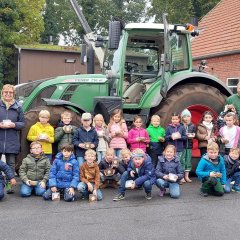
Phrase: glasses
pixel 35 148
pixel 7 92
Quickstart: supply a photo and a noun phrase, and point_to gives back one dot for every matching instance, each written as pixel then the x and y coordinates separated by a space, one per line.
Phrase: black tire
pixel 31 118
pixel 186 95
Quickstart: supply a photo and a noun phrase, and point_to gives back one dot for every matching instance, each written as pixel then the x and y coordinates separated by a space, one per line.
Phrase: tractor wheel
pixel 31 117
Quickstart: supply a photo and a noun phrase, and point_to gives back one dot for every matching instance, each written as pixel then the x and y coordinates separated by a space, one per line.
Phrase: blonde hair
pixel 171 147
pixel 44 113
pixel 99 116
pixel 110 151
pixel 67 114
pixel 125 151
pixel 213 146
pixel 7 86
pixel 90 152
pixel 236 150
pixel 35 143
pixel 155 117
pixel 115 112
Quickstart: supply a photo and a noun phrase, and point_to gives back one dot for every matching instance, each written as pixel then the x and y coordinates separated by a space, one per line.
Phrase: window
pixel 232 84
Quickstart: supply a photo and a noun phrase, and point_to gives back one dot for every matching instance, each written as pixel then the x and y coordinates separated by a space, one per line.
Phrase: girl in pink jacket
pixel 138 136
pixel 118 132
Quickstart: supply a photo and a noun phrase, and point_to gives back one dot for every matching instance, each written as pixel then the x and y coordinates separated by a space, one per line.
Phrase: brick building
pixel 219 42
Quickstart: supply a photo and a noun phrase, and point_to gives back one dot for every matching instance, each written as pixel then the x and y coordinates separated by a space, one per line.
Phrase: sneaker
pixel 162 192
pixel 236 189
pixel 203 194
pixel 148 196
pixel 119 196
pixel 9 188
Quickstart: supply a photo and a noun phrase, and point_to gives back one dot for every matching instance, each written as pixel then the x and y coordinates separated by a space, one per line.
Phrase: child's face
pixel 169 153
pixel 109 157
pixel 86 123
pixel 212 153
pixel 175 120
pixel 36 149
pixel 234 155
pixel 186 119
pixel 66 154
pixel 229 121
pixel 66 120
pixel 117 118
pixel 43 120
pixel 90 158
pixel 138 161
pixel 155 122
pixel 126 157
pixel 98 122
pixel 208 118
pixel 138 123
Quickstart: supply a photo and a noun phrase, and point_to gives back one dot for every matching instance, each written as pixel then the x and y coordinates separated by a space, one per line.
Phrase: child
pixel 230 133
pixel 102 132
pixel 90 176
pixel 187 145
pixel 63 134
pixel 138 136
pixel 232 164
pixel 206 132
pixel 211 171
pixel 176 134
pixel 85 138
pixel 64 174
pixel 112 178
pixel 140 170
pixel 118 131
pixel 10 175
pixel 157 138
pixel 34 171
pixel 169 172
pixel 125 155
pixel 227 109
pixel 43 132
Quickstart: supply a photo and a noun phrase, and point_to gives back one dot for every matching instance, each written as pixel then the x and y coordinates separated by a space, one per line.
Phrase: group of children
pixel 96 155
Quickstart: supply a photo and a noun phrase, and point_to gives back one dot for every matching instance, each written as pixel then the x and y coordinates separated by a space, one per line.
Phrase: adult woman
pixel 11 121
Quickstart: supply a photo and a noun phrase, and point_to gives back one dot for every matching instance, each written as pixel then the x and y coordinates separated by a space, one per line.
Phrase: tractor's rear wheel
pixel 198 98
pixel 31 118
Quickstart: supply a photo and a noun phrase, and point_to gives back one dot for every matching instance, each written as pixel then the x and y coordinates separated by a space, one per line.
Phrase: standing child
pixel 206 132
pixel 229 133
pixel 157 138
pixel 138 136
pixel 10 175
pixel 90 176
pixel 64 174
pixel 102 132
pixel 169 172
pixel 85 138
pixel 232 164
pixel 63 134
pixel 43 132
pixel 34 171
pixel 140 170
pixel 188 144
pixel 176 134
pixel 212 172
pixel 118 131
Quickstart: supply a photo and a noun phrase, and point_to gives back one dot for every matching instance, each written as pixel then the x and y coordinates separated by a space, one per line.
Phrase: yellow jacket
pixel 38 129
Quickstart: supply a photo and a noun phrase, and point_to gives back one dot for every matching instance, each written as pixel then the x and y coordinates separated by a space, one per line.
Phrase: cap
pixel 86 116
pixel 185 112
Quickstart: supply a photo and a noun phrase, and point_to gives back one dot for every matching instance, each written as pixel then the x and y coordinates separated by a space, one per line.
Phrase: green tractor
pixel 146 69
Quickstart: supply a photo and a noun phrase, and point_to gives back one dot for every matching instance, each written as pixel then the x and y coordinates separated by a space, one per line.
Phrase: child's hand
pixel 165 177
pixel 71 191
pixel 28 182
pixel 13 182
pixel 92 145
pixel 42 184
pixel 213 174
pixel 132 174
pixel 81 145
pixel 207 138
pixel 161 139
pixel 90 187
pixel 95 192
pixel 53 189
pixel 133 185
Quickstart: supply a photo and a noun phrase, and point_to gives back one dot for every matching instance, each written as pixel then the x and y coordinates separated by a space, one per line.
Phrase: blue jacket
pixel 7 171
pixel 146 172
pixel 179 142
pixel 83 136
pixel 164 167
pixel 9 138
pixel 205 166
pixel 64 173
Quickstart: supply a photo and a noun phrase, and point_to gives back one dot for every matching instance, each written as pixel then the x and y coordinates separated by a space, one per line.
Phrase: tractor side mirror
pixel 114 34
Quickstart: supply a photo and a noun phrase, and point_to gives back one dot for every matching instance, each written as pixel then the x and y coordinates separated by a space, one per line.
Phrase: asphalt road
pixel 190 217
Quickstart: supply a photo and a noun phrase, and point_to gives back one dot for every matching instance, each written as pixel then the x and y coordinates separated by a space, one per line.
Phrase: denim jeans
pixel 117 152
pixel 235 177
pixel 1 191
pixel 67 197
pixel 174 188
pixel 10 161
pixel 126 176
pixel 80 161
pixel 116 177
pixel 83 189
pixel 26 190
pixel 100 156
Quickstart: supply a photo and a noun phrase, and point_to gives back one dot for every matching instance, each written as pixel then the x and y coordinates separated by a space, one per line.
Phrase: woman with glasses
pixel 11 122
